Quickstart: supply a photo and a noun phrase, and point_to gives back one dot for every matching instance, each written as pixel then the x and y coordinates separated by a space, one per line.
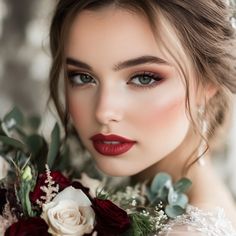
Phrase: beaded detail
pixel 200 222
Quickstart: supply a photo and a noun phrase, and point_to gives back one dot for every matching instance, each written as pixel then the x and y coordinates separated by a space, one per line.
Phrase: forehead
pixel 104 37
pixel 117 34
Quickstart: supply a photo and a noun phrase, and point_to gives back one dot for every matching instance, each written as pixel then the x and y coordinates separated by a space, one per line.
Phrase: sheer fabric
pixel 197 222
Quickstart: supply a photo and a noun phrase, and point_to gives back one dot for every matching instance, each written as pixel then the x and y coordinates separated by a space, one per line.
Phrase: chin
pixel 116 170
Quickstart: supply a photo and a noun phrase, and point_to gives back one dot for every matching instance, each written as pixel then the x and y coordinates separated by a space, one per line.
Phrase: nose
pixel 109 106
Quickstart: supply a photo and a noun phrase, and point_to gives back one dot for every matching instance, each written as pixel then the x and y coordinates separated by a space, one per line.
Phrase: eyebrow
pixel 121 65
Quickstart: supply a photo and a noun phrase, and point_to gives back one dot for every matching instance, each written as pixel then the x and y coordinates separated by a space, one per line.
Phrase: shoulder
pixel 197 222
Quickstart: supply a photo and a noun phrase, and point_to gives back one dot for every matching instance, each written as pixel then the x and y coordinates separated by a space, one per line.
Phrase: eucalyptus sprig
pixel 171 196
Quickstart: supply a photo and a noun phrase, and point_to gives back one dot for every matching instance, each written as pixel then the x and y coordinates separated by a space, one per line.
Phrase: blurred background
pixel 24 67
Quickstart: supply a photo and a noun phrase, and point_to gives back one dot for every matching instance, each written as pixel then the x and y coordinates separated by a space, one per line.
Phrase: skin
pixel 114 102
pixel 95 108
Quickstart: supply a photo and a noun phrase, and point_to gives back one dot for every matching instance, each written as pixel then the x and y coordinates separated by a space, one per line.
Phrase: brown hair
pixel 202 27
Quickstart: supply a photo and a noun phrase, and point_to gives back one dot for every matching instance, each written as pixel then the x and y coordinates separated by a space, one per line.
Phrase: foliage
pixel 20 140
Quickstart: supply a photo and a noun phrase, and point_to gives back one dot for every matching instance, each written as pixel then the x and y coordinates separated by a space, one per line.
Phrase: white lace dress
pixel 198 222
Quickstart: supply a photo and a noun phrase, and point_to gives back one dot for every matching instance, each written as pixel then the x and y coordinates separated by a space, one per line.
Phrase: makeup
pixel 111 145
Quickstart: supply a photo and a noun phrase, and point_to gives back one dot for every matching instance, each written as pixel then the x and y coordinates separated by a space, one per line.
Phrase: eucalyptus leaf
pixel 13 118
pixel 12 142
pixel 182 185
pixel 54 146
pixel 160 181
pixel 172 196
pixel 174 211
pixel 178 199
pixel 151 196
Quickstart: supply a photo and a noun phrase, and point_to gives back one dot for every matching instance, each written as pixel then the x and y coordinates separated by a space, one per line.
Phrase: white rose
pixel 94 185
pixel 69 213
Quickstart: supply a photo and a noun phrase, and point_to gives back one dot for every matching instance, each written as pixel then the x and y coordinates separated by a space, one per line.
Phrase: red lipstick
pixel 111 145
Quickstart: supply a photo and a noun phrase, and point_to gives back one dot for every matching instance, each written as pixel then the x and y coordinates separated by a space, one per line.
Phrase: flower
pixel 59 179
pixel 31 226
pixel 110 218
pixel 69 213
pixel 27 175
pixel 94 185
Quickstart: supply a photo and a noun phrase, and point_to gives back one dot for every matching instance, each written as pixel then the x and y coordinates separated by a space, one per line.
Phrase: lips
pixel 111 145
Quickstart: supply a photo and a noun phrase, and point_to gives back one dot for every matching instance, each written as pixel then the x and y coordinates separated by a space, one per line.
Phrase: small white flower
pixel 69 213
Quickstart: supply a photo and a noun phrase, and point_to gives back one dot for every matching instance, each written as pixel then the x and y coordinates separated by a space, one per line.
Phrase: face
pixel 119 83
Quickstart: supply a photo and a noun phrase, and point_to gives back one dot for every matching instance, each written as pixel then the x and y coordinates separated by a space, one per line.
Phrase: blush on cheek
pixel 165 113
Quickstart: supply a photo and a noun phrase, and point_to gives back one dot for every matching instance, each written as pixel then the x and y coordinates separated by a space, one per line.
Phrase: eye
pixel 146 80
pixel 79 79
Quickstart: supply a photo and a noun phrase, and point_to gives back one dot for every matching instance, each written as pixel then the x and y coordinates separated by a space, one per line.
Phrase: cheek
pixel 169 111
pixel 163 113
pixel 77 111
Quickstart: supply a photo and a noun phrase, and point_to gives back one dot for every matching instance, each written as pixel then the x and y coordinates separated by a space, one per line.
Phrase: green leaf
pixel 182 185
pixel 12 142
pixel 40 158
pixel 1 129
pixel 13 118
pixel 63 162
pixel 160 181
pixel 25 189
pixel 140 225
pixel 174 211
pixel 34 143
pixel 34 122
pixel 178 199
pixel 54 147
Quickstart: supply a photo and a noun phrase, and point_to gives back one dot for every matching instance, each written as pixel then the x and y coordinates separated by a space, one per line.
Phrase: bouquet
pixel 42 194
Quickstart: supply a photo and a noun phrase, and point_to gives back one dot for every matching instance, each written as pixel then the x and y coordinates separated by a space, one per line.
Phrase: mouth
pixel 111 145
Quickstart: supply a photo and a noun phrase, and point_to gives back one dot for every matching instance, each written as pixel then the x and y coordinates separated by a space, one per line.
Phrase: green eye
pixel 146 79
pixel 80 78
pixel 85 78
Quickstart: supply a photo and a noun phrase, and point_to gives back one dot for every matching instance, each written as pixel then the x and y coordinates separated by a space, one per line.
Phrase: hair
pixel 203 30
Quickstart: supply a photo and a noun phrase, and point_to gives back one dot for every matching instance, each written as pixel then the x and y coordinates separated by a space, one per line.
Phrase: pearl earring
pixel 204 128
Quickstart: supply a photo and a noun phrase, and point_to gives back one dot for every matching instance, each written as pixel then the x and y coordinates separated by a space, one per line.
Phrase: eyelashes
pixel 140 80
pixel 79 79
pixel 145 80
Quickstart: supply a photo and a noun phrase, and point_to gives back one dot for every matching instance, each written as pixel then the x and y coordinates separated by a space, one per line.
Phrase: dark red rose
pixel 3 199
pixel 59 179
pixel 32 226
pixel 111 220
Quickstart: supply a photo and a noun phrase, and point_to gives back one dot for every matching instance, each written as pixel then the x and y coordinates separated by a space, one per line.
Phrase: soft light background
pixel 24 66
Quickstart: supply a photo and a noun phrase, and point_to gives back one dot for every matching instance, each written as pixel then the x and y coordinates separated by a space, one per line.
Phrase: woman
pixel 147 87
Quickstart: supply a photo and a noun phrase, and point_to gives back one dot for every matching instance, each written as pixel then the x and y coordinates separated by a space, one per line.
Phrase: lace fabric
pixel 197 222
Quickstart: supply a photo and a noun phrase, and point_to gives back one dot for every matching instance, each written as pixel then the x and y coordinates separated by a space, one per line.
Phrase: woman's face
pixel 119 83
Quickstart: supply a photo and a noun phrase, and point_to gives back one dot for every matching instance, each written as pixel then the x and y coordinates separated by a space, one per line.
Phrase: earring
pixel 204 128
